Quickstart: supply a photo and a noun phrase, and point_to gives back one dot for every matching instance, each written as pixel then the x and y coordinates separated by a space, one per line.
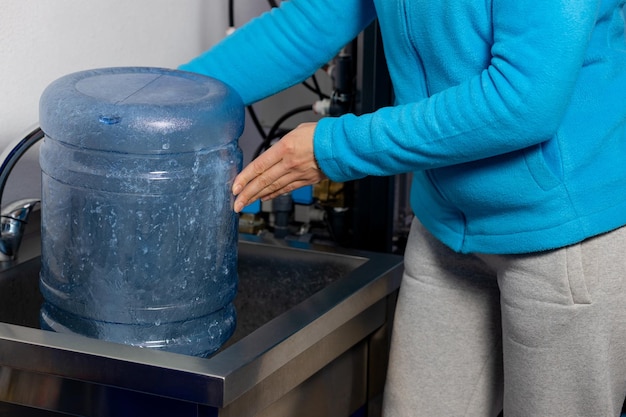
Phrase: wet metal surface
pixel 302 311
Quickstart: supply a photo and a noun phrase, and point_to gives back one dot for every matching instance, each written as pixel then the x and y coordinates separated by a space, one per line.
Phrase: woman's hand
pixel 287 165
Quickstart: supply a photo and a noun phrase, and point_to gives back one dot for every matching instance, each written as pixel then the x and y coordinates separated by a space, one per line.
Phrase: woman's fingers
pixel 256 177
pixel 287 165
pixel 255 169
pixel 276 180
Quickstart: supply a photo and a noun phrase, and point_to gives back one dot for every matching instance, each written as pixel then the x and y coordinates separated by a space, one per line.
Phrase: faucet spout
pixel 15 215
pixel 12 225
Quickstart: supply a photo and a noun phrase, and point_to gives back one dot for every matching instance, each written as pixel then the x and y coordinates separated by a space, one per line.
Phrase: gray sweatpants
pixel 541 335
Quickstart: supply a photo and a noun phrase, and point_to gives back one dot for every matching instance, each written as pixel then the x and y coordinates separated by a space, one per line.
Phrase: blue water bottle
pixel 139 239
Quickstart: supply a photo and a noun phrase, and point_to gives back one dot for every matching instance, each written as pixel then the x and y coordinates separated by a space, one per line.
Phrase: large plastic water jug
pixel 139 239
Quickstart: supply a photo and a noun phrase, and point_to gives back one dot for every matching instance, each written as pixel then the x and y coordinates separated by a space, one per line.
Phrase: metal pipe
pixel 15 215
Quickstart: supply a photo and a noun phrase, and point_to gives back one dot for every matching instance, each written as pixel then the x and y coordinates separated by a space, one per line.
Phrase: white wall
pixel 41 40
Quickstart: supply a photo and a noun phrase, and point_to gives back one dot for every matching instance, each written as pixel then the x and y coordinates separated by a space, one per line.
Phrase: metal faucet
pixel 15 215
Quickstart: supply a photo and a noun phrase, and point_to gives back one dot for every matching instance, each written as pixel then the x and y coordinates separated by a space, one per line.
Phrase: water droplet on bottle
pixel 110 120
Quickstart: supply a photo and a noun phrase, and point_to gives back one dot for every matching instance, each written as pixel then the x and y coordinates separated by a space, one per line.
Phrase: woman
pixel 512 117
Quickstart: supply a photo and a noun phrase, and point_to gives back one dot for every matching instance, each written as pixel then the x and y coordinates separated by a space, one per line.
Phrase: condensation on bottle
pixel 139 239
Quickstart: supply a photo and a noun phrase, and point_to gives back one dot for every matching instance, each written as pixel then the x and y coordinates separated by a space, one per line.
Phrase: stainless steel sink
pixel 312 340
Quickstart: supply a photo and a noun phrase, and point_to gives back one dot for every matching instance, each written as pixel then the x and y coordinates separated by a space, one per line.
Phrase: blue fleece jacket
pixel 510 114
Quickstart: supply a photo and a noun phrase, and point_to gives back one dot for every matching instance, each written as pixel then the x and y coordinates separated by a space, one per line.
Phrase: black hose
pixel 273 133
pixel 231 13
pixel 15 154
pixel 257 123
pixel 316 88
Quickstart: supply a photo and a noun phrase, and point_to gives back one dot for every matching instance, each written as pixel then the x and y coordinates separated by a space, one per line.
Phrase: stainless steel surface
pixel 15 215
pixel 312 333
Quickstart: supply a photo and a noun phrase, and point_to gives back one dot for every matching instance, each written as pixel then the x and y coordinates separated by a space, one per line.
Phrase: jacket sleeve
pixel 518 100
pixel 283 46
